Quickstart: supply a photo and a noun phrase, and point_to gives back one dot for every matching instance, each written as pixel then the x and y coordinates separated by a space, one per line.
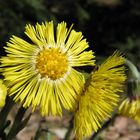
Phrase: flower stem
pixel 4 113
pixel 134 71
pixel 18 124
pixel 134 81
pixel 70 128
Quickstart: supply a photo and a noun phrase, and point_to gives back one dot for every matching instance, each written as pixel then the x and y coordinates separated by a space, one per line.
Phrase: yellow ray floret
pixel 130 108
pixel 3 93
pixel 41 73
pixel 100 96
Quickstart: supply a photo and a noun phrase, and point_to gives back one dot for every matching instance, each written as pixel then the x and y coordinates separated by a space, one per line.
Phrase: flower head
pixel 130 108
pixel 41 72
pixel 3 93
pixel 100 96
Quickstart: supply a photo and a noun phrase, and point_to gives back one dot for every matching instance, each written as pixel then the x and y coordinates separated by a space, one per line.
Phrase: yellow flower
pixel 100 96
pixel 41 72
pixel 130 108
pixel 3 93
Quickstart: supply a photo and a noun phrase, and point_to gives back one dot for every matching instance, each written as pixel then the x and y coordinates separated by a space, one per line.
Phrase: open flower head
pixel 3 93
pixel 100 96
pixel 130 108
pixel 41 72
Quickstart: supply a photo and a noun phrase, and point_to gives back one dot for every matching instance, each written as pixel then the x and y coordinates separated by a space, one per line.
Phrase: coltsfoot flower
pixel 131 108
pixel 3 93
pixel 130 105
pixel 100 96
pixel 41 72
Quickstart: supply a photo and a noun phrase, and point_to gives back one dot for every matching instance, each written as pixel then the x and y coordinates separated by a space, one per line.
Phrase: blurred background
pixel 108 25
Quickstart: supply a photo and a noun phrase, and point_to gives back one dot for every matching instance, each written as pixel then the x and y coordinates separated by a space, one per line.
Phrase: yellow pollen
pixel 51 62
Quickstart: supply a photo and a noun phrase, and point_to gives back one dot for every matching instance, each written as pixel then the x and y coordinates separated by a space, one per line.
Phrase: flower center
pixel 52 62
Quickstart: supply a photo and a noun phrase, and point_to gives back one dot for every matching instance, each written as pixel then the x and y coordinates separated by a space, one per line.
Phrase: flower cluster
pixel 42 73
